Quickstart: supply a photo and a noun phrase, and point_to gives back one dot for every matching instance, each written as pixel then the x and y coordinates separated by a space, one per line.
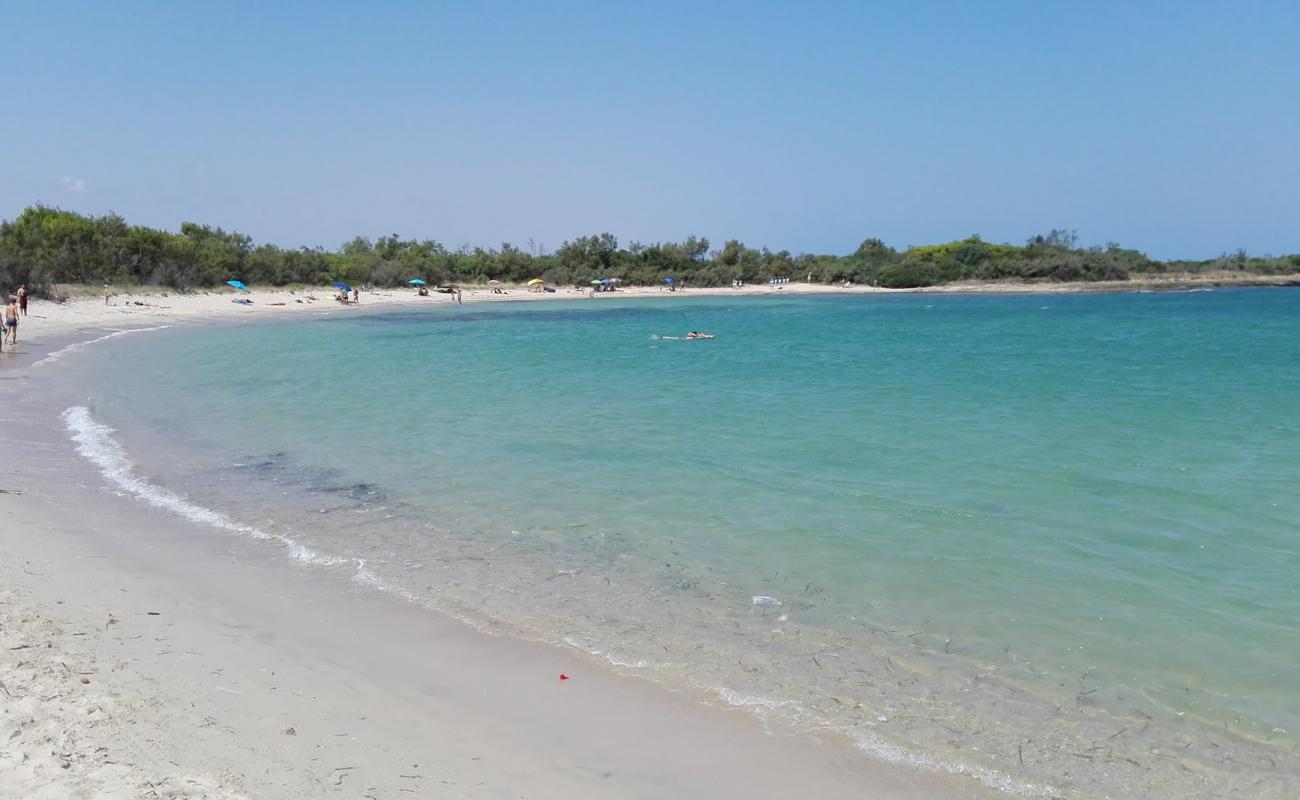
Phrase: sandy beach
pixel 147 657
pixel 151 306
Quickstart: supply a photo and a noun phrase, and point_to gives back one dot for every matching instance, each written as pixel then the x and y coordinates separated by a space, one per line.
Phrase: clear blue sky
pixel 1172 127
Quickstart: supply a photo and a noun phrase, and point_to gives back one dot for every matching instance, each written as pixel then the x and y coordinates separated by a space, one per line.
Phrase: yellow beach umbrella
pixel 536 282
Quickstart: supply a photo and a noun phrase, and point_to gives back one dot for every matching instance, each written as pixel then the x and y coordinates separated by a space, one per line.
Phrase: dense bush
pixel 43 246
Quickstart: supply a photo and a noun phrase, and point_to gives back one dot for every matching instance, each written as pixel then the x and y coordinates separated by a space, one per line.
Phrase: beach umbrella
pixel 416 282
pixel 606 281
pixel 238 285
pixel 494 282
pixel 596 282
pixel 536 282
pixel 341 285
pixel 668 281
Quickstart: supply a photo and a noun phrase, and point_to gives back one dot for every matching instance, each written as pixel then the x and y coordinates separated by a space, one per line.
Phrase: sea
pixel 1049 541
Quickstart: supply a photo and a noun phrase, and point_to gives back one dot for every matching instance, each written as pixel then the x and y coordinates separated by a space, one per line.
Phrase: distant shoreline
pixel 1172 282
pixel 151 305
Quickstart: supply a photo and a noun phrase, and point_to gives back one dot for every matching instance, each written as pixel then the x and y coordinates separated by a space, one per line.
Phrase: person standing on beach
pixel 107 294
pixel 356 295
pixel 11 320
pixel 22 299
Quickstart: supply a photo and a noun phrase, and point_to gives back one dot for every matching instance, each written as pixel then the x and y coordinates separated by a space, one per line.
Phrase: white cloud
pixel 74 185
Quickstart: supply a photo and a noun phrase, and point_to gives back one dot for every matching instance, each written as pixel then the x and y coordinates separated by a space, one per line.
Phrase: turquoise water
pixel 978 532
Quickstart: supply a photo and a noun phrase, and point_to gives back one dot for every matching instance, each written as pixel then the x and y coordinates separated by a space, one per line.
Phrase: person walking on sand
pixel 107 294
pixel 22 299
pixel 11 320
pixel 356 295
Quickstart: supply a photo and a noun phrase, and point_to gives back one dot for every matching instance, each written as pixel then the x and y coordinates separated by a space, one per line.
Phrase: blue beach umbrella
pixel 416 282
pixel 238 285
pixel 668 281
pixel 341 285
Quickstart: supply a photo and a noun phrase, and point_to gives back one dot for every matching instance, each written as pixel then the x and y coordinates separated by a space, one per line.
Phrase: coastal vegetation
pixel 44 246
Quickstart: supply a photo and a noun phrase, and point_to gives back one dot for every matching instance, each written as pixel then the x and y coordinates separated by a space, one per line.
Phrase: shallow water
pixel 980 533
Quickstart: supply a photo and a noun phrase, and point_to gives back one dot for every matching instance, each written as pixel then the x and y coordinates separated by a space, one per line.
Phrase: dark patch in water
pixel 267 463
pixel 361 492
pixel 277 468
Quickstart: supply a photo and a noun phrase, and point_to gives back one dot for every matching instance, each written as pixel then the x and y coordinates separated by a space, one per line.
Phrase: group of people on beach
pixel 454 293
pixel 15 308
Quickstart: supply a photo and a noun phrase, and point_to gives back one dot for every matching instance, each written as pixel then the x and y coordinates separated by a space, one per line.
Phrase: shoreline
pixel 157 305
pixel 212 671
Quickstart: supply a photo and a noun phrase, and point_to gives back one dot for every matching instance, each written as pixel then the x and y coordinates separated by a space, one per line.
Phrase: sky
pixel 1170 127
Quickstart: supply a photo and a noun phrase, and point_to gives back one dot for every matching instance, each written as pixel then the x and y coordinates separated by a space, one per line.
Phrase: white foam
pixel 765 707
pixel 364 576
pixel 95 442
pixel 754 702
pixel 892 753
pixel 75 346
pixel 307 555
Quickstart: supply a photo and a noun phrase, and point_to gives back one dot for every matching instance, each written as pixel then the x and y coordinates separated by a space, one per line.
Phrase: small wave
pixel 364 576
pixel 75 346
pixel 764 707
pixel 307 555
pixel 752 702
pixel 892 753
pixel 95 442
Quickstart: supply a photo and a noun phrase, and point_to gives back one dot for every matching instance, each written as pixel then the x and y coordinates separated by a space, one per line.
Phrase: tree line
pixel 44 246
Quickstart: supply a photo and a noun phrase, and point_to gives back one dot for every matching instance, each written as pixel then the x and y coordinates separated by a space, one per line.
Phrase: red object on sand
pixel 563 677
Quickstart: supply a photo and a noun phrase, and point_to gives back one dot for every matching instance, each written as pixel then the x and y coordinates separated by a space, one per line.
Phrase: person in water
pixel 11 320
